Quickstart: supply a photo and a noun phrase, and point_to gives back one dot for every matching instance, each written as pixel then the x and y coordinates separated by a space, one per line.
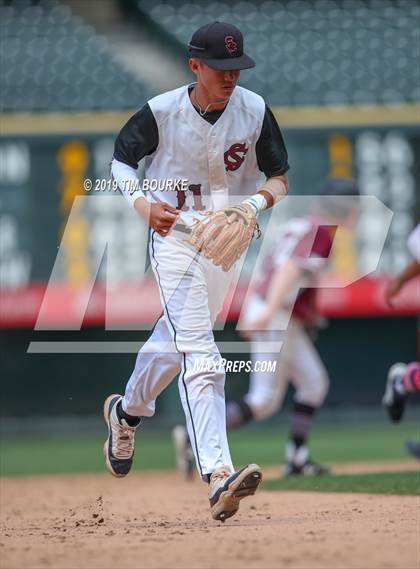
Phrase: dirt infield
pixel 159 521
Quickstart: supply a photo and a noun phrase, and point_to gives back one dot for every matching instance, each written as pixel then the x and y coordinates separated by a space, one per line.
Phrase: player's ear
pixel 194 64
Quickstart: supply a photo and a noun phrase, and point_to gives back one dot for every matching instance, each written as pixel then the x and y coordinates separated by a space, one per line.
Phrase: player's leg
pixel 202 379
pixel 264 396
pixel 202 396
pixel 157 363
pixel 310 379
pixel 266 386
pixel 402 380
pixel 184 442
pixel 413 448
pixel 201 387
pixel 184 454
pixel 185 293
pixel 411 379
pixel 123 414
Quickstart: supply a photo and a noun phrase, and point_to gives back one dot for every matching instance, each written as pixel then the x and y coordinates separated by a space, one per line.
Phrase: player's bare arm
pixel 274 189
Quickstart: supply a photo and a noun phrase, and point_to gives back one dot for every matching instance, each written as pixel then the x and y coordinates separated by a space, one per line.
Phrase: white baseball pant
pixel 192 291
pixel 297 362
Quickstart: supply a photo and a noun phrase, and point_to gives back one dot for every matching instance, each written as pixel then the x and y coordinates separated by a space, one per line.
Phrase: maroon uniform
pixel 308 242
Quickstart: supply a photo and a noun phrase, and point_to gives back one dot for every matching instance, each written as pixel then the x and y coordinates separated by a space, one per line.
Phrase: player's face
pixel 218 84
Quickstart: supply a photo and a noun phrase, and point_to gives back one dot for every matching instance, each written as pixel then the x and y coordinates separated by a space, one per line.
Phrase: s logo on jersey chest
pixel 235 155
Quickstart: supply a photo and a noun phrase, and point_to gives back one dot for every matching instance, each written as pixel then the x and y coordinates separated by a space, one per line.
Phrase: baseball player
pixel 294 263
pixel 224 141
pixel 403 379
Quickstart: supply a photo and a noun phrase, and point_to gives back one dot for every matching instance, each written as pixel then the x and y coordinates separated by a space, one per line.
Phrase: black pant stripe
pixel 183 353
pixel 191 417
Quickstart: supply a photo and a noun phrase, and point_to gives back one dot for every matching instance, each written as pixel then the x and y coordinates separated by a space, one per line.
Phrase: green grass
pixel 330 444
pixel 401 483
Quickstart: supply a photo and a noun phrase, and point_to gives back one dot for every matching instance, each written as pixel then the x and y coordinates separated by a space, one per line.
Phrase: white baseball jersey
pixel 218 161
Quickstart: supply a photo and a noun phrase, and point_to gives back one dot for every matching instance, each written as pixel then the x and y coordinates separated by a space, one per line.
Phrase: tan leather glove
pixel 224 235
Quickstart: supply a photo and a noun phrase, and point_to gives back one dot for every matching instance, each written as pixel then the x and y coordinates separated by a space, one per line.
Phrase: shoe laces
pixel 123 441
pixel 219 475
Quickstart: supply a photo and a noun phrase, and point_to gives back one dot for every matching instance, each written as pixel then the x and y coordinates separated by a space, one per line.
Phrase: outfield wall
pixel 357 353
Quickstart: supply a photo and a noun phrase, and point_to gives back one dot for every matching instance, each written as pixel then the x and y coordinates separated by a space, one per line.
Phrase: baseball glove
pixel 224 235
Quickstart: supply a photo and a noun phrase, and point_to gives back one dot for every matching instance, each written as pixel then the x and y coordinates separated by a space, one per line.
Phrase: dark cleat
pixel 393 400
pixel 308 468
pixel 413 448
pixel 119 446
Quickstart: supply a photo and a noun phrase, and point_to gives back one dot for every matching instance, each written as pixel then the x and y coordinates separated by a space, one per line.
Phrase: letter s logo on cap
pixel 230 44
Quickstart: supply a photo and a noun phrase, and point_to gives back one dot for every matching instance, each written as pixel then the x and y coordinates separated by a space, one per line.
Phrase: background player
pixel 219 137
pixel 294 263
pixel 403 379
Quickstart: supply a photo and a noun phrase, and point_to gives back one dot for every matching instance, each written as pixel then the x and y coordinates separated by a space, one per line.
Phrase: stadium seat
pixel 51 60
pixel 322 52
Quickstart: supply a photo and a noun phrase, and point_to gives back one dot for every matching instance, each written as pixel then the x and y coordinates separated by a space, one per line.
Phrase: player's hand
pixel 391 290
pixel 160 216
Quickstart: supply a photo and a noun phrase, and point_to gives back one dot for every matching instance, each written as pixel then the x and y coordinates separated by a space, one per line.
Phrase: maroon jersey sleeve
pixel 312 253
pixel 313 250
pixel 308 242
